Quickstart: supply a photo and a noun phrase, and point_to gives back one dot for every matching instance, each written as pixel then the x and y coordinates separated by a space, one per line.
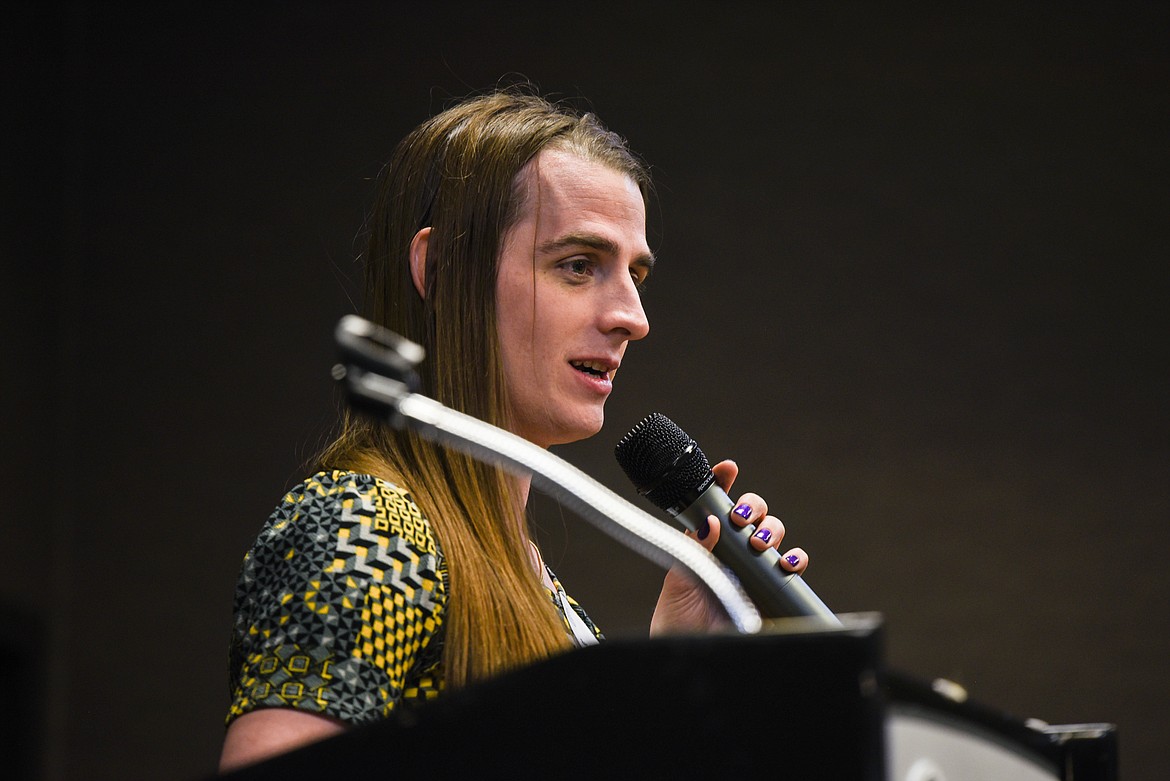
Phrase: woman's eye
pixel 579 267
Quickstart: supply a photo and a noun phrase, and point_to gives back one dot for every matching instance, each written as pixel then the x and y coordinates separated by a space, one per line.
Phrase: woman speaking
pixel 508 237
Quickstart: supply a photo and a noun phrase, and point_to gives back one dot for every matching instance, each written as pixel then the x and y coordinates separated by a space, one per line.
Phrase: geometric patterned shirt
pixel 340 603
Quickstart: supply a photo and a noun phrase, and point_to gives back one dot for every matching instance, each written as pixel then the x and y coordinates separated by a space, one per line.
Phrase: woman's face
pixel 567 294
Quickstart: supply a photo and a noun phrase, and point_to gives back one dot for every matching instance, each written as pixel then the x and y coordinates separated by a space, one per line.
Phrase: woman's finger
pixel 725 473
pixel 769 532
pixel 750 508
pixel 795 560
pixel 707 533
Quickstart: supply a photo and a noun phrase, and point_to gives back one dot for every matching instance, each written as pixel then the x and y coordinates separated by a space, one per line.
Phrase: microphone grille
pixel 662 462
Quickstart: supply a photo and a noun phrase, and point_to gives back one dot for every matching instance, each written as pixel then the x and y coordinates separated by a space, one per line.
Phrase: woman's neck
pixel 523 486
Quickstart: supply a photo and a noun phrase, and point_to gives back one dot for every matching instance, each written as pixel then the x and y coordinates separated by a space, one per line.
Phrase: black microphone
pixel 669 469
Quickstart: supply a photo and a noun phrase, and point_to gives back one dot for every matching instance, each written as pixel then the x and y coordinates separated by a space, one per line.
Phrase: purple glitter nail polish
pixel 743 511
pixel 764 535
pixel 793 560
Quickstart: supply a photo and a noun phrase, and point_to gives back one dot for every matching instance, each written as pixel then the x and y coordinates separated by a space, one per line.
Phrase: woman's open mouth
pixel 594 368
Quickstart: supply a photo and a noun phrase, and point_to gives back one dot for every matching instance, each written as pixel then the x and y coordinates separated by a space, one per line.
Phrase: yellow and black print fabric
pixel 339 604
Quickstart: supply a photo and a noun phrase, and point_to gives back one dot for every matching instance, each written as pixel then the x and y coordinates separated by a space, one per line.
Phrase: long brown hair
pixel 459 173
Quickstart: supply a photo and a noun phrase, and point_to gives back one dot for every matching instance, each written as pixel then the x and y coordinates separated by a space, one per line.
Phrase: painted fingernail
pixel 764 535
pixel 703 530
pixel 743 511
pixel 792 559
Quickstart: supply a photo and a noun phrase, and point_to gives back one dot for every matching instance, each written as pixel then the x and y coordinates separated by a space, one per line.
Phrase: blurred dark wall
pixel 913 280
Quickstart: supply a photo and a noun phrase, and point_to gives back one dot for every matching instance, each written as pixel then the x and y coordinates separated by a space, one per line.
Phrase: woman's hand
pixel 684 604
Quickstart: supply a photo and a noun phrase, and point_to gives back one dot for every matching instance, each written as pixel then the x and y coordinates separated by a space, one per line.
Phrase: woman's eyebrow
pixel 591 241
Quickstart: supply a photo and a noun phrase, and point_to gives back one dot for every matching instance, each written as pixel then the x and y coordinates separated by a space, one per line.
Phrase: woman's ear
pixel 418 260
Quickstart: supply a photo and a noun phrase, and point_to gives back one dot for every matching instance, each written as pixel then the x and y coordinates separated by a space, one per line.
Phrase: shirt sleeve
pixel 339 603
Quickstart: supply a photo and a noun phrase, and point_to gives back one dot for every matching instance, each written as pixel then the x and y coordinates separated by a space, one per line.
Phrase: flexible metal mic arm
pixel 377 371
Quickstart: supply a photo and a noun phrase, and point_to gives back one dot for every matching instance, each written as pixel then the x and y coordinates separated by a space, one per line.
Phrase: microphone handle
pixel 777 593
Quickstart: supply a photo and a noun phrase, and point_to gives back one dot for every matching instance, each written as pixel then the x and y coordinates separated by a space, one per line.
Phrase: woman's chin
pixel 567 431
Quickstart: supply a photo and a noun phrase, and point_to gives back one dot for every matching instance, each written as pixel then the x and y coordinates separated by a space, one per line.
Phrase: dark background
pixel 913 278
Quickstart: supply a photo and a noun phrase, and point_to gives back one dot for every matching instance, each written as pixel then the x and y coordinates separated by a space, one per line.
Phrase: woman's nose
pixel 624 312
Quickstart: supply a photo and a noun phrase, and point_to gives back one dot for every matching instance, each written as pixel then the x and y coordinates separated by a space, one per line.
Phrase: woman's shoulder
pixel 340 597
pixel 330 484
pixel 338 510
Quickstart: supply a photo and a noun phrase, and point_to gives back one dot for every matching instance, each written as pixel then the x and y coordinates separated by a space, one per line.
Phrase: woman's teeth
pixel 592 367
